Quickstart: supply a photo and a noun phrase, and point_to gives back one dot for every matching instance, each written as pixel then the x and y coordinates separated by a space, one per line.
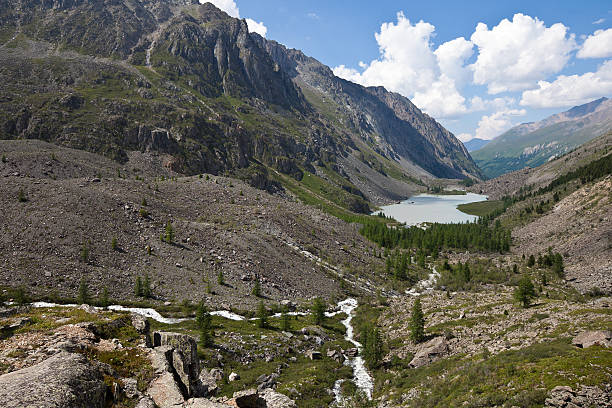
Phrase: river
pixel 432 208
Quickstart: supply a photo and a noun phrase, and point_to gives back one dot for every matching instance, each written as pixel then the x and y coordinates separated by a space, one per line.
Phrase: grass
pixel 512 378
pixel 481 208
pixel 250 344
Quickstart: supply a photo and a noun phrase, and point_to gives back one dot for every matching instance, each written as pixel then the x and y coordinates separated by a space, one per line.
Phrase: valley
pixel 196 216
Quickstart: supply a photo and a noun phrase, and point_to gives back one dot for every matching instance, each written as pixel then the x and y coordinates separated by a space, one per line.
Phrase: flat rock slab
pixel 66 380
pixel 592 338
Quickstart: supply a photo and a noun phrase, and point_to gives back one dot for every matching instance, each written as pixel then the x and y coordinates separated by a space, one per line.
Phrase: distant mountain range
pixel 475 144
pixel 535 143
pixel 188 82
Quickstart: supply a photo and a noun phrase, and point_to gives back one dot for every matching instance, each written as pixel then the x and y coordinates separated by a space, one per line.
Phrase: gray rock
pixel 336 355
pixel 207 384
pixel 165 392
pixel 247 399
pixel 140 323
pixel 64 380
pixel 185 360
pixel 429 352
pixel 203 403
pixel 591 338
pixel 313 355
pixel 145 402
pixel 233 377
pixel 274 399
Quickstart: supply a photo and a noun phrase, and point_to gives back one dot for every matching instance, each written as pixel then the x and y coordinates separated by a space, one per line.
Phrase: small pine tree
pixel 318 311
pixel 169 235
pixel 209 288
pixel 104 301
pixel 144 202
pixel 204 323
pixel 262 316
pixel 146 286
pixel 138 287
pixel 256 289
pixel 4 159
pixel 114 244
pixel 83 296
pixel 220 278
pixel 417 322
pixel 85 252
pixel 20 296
pixel 531 261
pixel 285 322
pixel 525 291
pixel 372 346
pixel 21 196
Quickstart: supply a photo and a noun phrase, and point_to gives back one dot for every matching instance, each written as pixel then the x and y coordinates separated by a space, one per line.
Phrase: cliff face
pixel 189 82
pixel 398 125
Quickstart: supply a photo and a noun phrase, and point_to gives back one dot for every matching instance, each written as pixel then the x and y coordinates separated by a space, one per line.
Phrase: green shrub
pixel 114 244
pixel 256 291
pixel 318 311
pixel 21 196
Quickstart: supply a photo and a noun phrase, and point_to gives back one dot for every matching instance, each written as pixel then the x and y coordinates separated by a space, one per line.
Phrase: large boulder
pixel 247 399
pixel 592 338
pixel 429 352
pixel 275 399
pixel 207 384
pixel 64 380
pixel 184 360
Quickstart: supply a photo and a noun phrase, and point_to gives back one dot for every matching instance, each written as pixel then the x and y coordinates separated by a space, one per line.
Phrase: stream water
pixel 361 377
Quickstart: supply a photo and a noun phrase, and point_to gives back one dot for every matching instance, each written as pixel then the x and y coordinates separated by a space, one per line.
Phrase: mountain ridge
pixel 190 83
pixel 535 143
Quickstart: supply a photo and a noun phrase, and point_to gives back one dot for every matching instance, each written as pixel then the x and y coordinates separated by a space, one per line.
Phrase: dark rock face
pixel 183 359
pixel 405 130
pixel 65 380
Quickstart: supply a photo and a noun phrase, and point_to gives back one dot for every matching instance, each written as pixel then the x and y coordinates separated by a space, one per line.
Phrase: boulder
pixel 63 380
pixel 313 355
pixel 165 392
pixel 429 352
pixel 233 377
pixel 207 384
pixel 247 398
pixel 591 338
pixel 336 355
pixel 274 399
pixel 352 352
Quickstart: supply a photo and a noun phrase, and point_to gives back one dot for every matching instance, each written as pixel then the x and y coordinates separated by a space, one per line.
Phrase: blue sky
pixel 532 59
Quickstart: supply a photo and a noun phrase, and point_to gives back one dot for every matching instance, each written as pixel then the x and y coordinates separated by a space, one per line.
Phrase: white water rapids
pixel 362 378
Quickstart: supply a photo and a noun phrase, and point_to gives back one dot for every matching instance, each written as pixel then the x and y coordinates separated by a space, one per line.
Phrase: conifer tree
pixel 83 296
pixel 262 316
pixel 525 291
pixel 318 311
pixel 417 322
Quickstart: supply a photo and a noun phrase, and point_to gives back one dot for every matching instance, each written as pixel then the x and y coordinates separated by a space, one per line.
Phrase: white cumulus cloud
pixel 491 126
pixel 231 8
pixel 515 54
pixel 570 90
pixel 409 65
pixel 597 45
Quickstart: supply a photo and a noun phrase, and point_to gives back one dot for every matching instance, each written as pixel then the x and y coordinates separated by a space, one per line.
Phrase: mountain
pixel 475 144
pixel 532 144
pixel 187 83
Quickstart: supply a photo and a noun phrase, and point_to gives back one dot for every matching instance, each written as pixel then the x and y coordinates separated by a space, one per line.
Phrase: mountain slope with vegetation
pixel 533 144
pixel 189 83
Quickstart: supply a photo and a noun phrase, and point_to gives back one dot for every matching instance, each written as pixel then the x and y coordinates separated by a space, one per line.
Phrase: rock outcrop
pixel 66 380
pixel 566 397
